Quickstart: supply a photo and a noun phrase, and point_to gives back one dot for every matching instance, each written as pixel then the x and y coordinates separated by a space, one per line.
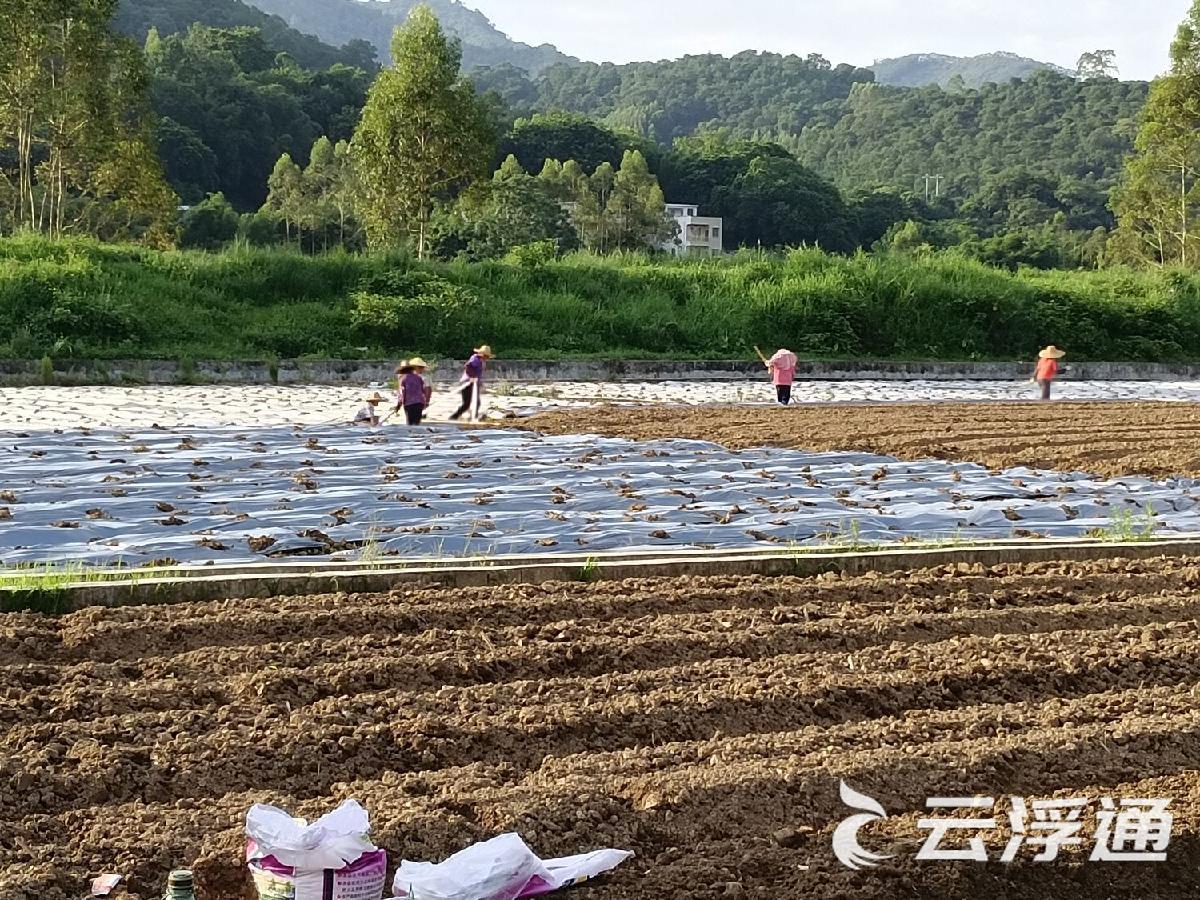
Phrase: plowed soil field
pixel 703 723
pixel 1108 439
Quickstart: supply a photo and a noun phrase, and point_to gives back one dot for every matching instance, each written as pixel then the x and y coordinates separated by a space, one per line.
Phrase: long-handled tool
pixel 766 362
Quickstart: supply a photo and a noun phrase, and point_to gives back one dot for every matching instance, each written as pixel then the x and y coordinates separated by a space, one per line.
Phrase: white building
pixel 698 235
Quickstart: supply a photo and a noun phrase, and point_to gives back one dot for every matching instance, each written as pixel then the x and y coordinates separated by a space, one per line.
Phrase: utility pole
pixel 937 185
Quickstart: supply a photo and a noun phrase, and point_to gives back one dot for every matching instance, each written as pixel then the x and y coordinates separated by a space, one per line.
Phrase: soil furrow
pixel 691 720
pixel 165 765
pixel 194 680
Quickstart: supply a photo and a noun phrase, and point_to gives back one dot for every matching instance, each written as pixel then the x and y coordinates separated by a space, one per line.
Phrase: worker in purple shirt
pixel 412 394
pixel 471 383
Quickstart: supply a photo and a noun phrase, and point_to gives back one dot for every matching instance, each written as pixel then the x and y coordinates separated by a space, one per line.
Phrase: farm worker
pixel 471 383
pixel 413 394
pixel 782 367
pixel 369 413
pixel 1047 368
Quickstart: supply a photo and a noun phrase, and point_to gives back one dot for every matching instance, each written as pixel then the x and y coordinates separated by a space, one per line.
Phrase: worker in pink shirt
pixel 782 367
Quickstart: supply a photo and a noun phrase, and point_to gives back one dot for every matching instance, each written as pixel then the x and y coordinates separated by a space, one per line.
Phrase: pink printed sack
pixel 331 859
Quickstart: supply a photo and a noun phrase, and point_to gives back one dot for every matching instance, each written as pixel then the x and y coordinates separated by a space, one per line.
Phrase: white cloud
pixel 856 32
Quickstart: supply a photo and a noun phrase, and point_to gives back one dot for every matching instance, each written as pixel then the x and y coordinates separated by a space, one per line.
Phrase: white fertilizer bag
pixel 503 868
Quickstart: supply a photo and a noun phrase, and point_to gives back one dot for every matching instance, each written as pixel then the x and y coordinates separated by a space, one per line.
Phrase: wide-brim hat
pixel 376 398
pixel 417 363
pixel 485 350
pixel 404 368
pixel 1052 352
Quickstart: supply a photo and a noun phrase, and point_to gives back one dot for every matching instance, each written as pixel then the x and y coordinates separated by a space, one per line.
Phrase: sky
pixel 858 32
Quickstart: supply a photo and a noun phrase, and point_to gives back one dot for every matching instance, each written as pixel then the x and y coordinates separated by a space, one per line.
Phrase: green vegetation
pixel 1023 170
pixel 750 93
pixel 590 572
pixel 843 124
pixel 230 104
pixel 1026 167
pixel 255 123
pixel 76 150
pixel 1159 201
pixel 424 135
pixel 46 587
pixel 923 69
pixel 1126 527
pixel 84 299
pixel 138 18
pixel 275 160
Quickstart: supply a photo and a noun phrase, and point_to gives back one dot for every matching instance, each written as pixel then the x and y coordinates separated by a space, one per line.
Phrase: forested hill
pixel 1074 134
pixel 922 69
pixel 340 21
pixel 1012 154
pixel 748 93
pixel 137 17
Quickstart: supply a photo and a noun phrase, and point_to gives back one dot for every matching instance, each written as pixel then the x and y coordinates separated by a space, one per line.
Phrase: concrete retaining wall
pixel 333 578
pixel 23 372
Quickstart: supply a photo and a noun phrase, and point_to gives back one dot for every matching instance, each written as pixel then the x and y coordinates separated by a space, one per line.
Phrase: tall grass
pixel 78 298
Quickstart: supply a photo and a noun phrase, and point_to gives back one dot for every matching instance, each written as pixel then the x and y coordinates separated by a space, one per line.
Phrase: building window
pixel 716 232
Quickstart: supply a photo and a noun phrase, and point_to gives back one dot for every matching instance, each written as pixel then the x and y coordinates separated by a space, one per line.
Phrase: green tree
pixel 909 237
pixel 873 213
pixel 260 229
pixel 231 105
pixel 285 194
pixel 317 202
pixel 516 210
pixel 591 208
pixel 189 164
pixel 552 177
pixel 562 136
pixel 780 203
pixel 699 164
pixel 1097 64
pixel 1158 203
pixel 341 196
pixel 210 224
pixel 318 185
pixel 23 91
pixel 424 135
pixel 636 207
pixel 74 117
pixel 572 177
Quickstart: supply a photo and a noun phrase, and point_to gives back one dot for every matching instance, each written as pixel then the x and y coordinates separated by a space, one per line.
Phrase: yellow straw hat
pixel 485 350
pixel 376 398
pixel 417 363
pixel 1052 352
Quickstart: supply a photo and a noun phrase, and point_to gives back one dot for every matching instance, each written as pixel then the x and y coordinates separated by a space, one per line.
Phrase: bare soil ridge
pixel 1107 439
pixel 703 723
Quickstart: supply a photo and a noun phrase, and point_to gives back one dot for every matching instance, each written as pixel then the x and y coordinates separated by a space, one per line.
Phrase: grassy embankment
pixel 80 299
